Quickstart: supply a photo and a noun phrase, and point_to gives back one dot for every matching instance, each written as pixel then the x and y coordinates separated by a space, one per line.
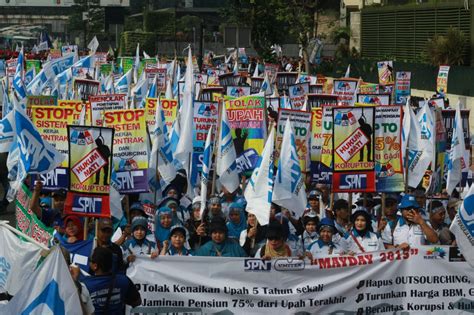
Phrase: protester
pixel 389 220
pixel 138 245
pixel 104 236
pixel 342 219
pixel 310 233
pixel 411 229
pixel 163 221
pixel 109 291
pixel 237 221
pixel 437 221
pixel 215 209
pixel 196 227
pixel 74 230
pixel 175 246
pixel 324 246
pixel 314 209
pixel 252 238
pixel 361 239
pixel 54 216
pixel 220 245
pixel 275 246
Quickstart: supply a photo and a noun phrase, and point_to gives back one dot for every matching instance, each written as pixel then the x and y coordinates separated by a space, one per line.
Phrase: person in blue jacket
pixel 220 245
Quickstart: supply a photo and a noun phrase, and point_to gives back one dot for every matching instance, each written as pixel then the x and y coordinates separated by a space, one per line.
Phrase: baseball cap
pixel 408 202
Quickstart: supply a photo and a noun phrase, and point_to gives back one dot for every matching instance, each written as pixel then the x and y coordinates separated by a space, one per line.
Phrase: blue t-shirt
pixel 124 292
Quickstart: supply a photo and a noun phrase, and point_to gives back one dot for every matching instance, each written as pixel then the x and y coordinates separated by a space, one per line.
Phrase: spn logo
pixel 257 265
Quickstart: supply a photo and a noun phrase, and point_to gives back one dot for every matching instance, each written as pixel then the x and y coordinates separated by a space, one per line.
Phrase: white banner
pixel 417 281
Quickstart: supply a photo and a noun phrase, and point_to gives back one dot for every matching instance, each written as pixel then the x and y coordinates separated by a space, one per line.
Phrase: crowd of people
pixel 225 229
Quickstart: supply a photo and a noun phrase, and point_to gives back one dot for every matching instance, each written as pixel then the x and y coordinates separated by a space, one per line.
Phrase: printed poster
pixel 346 90
pixel 301 123
pixel 297 94
pixel 369 88
pixel 386 74
pixel 322 172
pixel 90 160
pixel 160 75
pixel 353 143
pixel 238 91
pixel 373 99
pixel 169 108
pixel 442 80
pixel 130 156
pixel 246 117
pixel 100 104
pixel 388 157
pixel 402 87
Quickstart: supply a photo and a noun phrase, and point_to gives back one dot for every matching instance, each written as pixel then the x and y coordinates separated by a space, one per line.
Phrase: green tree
pixel 447 49
pixel 93 25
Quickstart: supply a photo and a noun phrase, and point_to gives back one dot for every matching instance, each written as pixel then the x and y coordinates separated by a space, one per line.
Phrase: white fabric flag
pixel 407 114
pixel 420 146
pixel 7 132
pixel 226 166
pixel 260 186
pixel 348 72
pixel 463 227
pixel 255 72
pixel 49 290
pixel 18 260
pixel 206 167
pixel 289 188
pixel 457 158
pixel 93 45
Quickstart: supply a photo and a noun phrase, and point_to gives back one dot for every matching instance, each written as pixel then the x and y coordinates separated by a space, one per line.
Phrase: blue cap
pixel 408 202
pixel 326 222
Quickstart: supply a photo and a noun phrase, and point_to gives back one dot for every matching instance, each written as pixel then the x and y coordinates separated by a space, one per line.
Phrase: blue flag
pixel 18 83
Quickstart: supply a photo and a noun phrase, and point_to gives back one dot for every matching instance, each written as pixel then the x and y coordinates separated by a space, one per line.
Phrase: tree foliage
pixel 447 49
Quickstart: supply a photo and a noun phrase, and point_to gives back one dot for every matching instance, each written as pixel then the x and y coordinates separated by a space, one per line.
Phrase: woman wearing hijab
pixel 275 246
pixel 360 238
pixel 237 221
pixel 196 227
pixel 163 222
pixel 220 245
pixel 252 238
pixel 324 245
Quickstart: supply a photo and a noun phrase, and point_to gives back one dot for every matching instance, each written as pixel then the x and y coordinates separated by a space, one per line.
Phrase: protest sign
pixel 126 63
pixel 201 78
pixel 39 100
pixel 442 80
pixel 301 123
pixel 297 94
pixel 160 75
pixel 316 140
pixel 27 222
pixel 368 88
pixel 448 119
pixel 33 64
pixel 246 117
pixel 402 87
pixel 105 68
pixel 169 108
pixel 385 71
pixel 85 88
pixel 205 116
pixel 319 100
pixel 10 71
pixel 322 172
pixel 130 154
pixel 103 103
pixel 428 279
pixel 353 142
pixel 238 91
pixel 213 77
pixel 346 90
pixel 271 70
pixel 373 99
pixel 388 157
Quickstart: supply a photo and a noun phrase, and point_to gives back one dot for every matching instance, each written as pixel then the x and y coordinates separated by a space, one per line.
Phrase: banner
pixel 160 75
pixel 301 123
pixel 402 87
pixel 271 70
pixel 320 100
pixel 104 103
pixel 33 64
pixel 126 63
pixel 170 110
pixel 388 157
pixel 205 116
pixel 213 77
pixel 369 88
pixel 27 222
pixel 448 118
pixel 373 99
pixel 238 91
pixel 442 80
pixel 130 149
pixel 324 172
pixel 297 94
pixel 419 280
pixel 90 159
pixel 246 117
pixel 346 91
pixel 385 70
pixel 353 155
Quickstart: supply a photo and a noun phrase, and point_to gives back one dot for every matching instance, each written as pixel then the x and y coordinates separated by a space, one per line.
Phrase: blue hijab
pixel 162 233
pixel 234 229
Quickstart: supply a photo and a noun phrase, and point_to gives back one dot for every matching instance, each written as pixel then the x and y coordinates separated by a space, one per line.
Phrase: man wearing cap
pixel 324 245
pixel 437 217
pixel 104 235
pixel 388 220
pixel 314 204
pixel 411 229
pixel 54 216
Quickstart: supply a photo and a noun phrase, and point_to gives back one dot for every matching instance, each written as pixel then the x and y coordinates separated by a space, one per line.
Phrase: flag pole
pixel 86 228
pixel 216 140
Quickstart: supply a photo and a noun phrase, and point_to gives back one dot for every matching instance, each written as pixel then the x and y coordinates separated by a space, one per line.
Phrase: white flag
pixel 49 290
pixel 259 189
pixel 457 158
pixel 255 72
pixel 420 146
pixel 93 45
pixel 18 261
pixel 463 227
pixel 407 114
pixel 226 166
pixel 289 189
pixel 206 167
pixel 348 72
pixel 136 64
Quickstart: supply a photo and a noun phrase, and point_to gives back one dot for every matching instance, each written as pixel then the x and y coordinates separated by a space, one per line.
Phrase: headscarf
pixel 276 230
pixel 368 222
pixel 236 228
pixel 162 233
